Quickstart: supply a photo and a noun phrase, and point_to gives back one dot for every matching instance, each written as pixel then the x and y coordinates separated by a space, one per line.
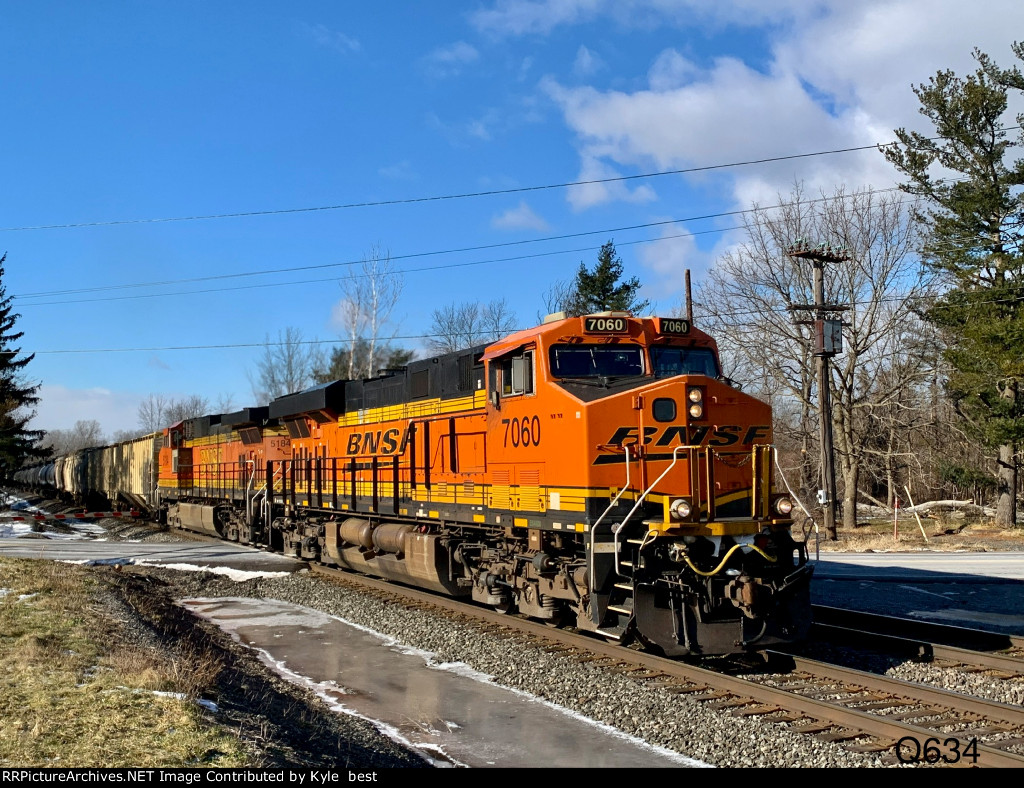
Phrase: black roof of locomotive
pixel 325 397
pixel 246 416
pixel 441 377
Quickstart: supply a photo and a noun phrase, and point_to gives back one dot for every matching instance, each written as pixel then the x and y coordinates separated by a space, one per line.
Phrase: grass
pixel 73 693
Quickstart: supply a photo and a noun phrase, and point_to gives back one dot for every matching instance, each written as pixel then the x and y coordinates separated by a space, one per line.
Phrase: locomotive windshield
pixel 585 361
pixel 668 361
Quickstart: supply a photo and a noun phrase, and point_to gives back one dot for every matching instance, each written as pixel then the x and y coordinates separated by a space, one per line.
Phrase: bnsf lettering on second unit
pixel 392 441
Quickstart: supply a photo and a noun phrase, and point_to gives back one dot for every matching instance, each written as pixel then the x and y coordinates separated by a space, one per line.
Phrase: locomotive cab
pixel 665 476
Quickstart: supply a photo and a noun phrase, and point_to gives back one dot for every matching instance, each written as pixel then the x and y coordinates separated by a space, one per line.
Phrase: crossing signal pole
pixel 828 342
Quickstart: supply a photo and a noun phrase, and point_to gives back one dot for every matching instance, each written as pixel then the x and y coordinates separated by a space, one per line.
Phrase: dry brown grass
pixel 72 693
pixel 938 534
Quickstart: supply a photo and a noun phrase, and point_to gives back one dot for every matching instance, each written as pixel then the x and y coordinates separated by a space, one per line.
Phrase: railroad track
pixel 971 650
pixel 864 712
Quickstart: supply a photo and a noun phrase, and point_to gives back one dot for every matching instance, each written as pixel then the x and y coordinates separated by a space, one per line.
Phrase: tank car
pixel 596 471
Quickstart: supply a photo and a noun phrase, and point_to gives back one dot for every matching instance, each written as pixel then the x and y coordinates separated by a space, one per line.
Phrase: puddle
pixel 451 714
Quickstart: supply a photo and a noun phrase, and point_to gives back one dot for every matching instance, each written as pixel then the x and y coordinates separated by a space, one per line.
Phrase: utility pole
pixel 828 341
pixel 689 299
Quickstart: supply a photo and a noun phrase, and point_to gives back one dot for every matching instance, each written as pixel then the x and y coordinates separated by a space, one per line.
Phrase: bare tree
pixel 559 297
pixel 285 366
pixel 157 411
pixel 152 412
pixel 749 295
pixel 81 436
pixel 190 407
pixel 369 296
pixel 225 403
pixel 127 435
pixel 457 326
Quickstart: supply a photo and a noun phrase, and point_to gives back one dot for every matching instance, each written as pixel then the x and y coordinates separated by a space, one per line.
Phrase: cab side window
pixel 512 375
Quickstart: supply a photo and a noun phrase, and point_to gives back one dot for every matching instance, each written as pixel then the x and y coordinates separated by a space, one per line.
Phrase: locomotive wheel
pixel 558 620
pixel 646 643
pixel 505 607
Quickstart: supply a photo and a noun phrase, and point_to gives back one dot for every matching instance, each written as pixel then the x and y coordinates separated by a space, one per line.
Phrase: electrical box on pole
pixel 828 337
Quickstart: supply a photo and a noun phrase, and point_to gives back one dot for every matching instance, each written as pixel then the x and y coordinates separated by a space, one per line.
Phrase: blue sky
pixel 119 114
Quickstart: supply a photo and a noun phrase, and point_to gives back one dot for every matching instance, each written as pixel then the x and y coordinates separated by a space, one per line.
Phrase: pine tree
pixel 599 290
pixel 338 366
pixel 974 239
pixel 17 443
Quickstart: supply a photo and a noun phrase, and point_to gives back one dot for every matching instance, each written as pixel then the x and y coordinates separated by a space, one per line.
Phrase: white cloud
pixel 516 17
pixel 598 187
pixel 478 129
pixel 524 68
pixel 839 78
pixel 670 70
pixel 60 407
pixel 449 61
pixel 400 171
pixel 666 260
pixel 586 63
pixel 522 217
pixel 540 17
pixel 459 133
pixel 325 37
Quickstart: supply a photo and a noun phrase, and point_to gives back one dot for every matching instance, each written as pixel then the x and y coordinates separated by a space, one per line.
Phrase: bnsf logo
pixel 699 435
pixel 390 441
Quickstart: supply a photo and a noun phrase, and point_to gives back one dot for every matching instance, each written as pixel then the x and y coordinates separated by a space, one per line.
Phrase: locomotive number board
pixel 605 325
pixel 673 325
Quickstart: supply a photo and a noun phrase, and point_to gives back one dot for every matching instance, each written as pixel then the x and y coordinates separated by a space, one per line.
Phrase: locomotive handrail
pixel 619 526
pixel 597 522
pixel 263 491
pixel 248 490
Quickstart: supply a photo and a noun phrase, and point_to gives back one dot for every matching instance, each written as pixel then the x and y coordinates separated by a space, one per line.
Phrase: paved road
pixel 923 566
pixel 980 590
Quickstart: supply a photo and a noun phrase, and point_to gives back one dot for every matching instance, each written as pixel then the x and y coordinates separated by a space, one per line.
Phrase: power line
pixel 434 253
pixel 442 197
pixel 421 269
pixel 409 256
pixel 463 195
pixel 782 309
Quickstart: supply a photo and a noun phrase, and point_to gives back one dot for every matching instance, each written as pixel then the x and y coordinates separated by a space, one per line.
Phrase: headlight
pixel 783 506
pixel 695 395
pixel 696 411
pixel 680 508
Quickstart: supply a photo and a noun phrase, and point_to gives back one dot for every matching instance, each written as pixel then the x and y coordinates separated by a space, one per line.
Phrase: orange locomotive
pixel 597 471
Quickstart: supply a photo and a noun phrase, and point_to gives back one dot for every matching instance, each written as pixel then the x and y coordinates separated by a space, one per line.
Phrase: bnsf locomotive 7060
pixel 595 471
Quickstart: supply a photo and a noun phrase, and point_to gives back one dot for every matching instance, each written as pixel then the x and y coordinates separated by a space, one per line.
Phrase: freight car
pixel 596 471
pixel 121 475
